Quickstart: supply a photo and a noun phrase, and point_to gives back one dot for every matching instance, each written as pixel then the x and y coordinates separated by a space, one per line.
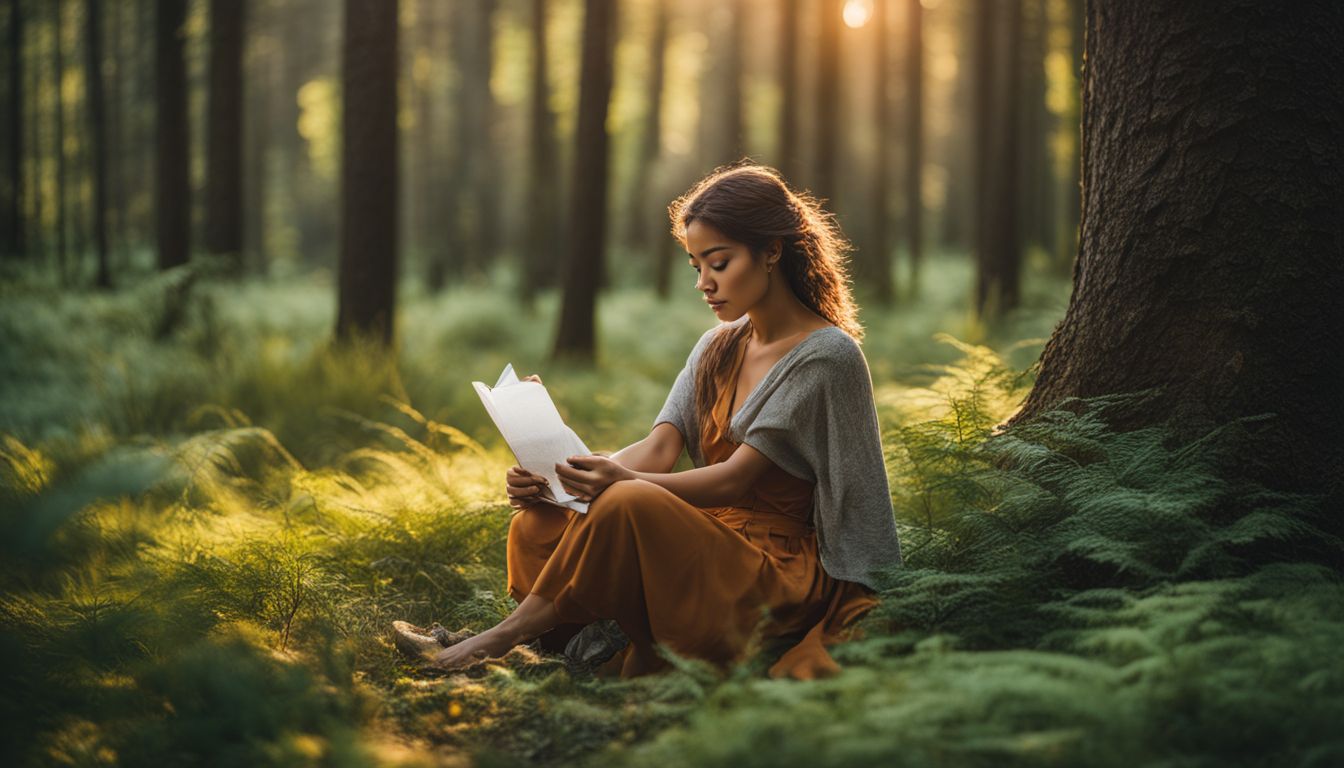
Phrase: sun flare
pixel 857 13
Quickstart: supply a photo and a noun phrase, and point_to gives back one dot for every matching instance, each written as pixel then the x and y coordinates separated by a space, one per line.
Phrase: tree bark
pixel 224 129
pixel 576 336
pixel 1212 245
pixel 368 263
pixel 98 130
pixel 642 216
pixel 173 169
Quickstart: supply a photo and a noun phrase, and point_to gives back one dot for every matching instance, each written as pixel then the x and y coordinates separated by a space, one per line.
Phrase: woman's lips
pixel 716 304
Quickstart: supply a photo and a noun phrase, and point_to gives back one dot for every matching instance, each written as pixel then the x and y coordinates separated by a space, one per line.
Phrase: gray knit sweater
pixel 813 416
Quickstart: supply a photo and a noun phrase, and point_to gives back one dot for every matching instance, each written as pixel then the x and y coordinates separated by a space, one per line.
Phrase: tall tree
pixel 58 63
pixel 173 159
pixel 914 139
pixel 644 218
pixel 999 255
pixel 733 54
pixel 14 223
pixel 368 265
pixel 425 171
pixel 1210 261
pixel 575 336
pixel 827 100
pixel 872 267
pixel 543 233
pixel 477 18
pixel 98 130
pixel 224 134
pixel 786 154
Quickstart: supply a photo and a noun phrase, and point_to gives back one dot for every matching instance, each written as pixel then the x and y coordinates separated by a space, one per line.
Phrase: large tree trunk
pixel 13 202
pixel 173 192
pixel 368 172
pixel 1210 263
pixel 98 129
pixel 224 132
pixel 543 233
pixel 575 336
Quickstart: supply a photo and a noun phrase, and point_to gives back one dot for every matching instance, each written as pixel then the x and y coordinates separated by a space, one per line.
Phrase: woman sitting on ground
pixel 783 526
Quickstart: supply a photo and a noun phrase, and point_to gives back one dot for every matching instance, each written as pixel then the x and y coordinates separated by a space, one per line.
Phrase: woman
pixel 780 530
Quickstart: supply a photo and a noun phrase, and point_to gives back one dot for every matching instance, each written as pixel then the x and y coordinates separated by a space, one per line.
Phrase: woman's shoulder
pixel 832 345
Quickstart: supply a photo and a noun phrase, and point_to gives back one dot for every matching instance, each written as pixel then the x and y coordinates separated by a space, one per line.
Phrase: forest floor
pixel 207 526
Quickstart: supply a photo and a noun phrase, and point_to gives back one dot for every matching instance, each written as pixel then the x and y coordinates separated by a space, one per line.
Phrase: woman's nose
pixel 701 281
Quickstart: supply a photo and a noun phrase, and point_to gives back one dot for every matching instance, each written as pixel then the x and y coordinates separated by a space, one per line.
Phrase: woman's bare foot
pixel 532 617
pixel 490 644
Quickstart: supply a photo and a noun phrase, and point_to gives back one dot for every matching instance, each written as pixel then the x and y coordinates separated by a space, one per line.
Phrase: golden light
pixel 857 13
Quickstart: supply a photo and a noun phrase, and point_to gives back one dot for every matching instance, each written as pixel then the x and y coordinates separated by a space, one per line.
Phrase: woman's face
pixel 731 278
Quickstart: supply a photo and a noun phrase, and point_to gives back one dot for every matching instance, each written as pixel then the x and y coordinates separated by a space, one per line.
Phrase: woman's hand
pixel 524 487
pixel 588 476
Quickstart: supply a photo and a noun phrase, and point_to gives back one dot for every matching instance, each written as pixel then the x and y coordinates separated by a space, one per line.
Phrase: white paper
pixel 534 431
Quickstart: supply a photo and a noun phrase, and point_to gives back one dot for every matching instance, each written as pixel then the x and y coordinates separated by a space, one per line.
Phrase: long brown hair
pixel 751 204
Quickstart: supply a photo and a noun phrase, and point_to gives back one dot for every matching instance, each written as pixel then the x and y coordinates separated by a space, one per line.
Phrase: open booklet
pixel 534 431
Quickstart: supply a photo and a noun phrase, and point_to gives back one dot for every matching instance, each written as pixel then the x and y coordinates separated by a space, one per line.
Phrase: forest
pixel 253 253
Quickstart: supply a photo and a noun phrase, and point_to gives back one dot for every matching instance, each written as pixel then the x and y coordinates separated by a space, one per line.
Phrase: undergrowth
pixel 201 566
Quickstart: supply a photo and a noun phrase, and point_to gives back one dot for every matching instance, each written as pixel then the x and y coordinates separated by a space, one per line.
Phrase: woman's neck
pixel 780 314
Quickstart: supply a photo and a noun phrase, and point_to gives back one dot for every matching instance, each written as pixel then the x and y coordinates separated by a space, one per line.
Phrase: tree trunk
pixel 873 264
pixel 1000 253
pixel 786 155
pixel 1073 199
pixel 1210 262
pixel 224 128
pixel 732 142
pixel 98 130
pixel 116 116
pixel 62 268
pixel 575 336
pixel 173 193
pixel 368 266
pixel 827 101
pixel 650 219
pixel 13 204
pixel 914 160
pixel 543 232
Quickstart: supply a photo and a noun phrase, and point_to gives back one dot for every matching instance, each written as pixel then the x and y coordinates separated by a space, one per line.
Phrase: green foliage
pixel 204 538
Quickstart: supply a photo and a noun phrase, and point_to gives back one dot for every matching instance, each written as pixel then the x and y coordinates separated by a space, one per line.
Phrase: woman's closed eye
pixel 716 267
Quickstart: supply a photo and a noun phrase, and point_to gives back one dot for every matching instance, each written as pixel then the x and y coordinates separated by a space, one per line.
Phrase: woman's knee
pixel 538 522
pixel 623 497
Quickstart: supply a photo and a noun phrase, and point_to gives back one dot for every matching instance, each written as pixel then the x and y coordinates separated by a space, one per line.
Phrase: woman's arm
pixel 656 453
pixel 716 485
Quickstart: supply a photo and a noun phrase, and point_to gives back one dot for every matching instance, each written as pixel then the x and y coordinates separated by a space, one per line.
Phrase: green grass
pixel 204 537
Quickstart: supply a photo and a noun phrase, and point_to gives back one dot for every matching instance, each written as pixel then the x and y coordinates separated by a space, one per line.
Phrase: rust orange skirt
pixel 698 581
